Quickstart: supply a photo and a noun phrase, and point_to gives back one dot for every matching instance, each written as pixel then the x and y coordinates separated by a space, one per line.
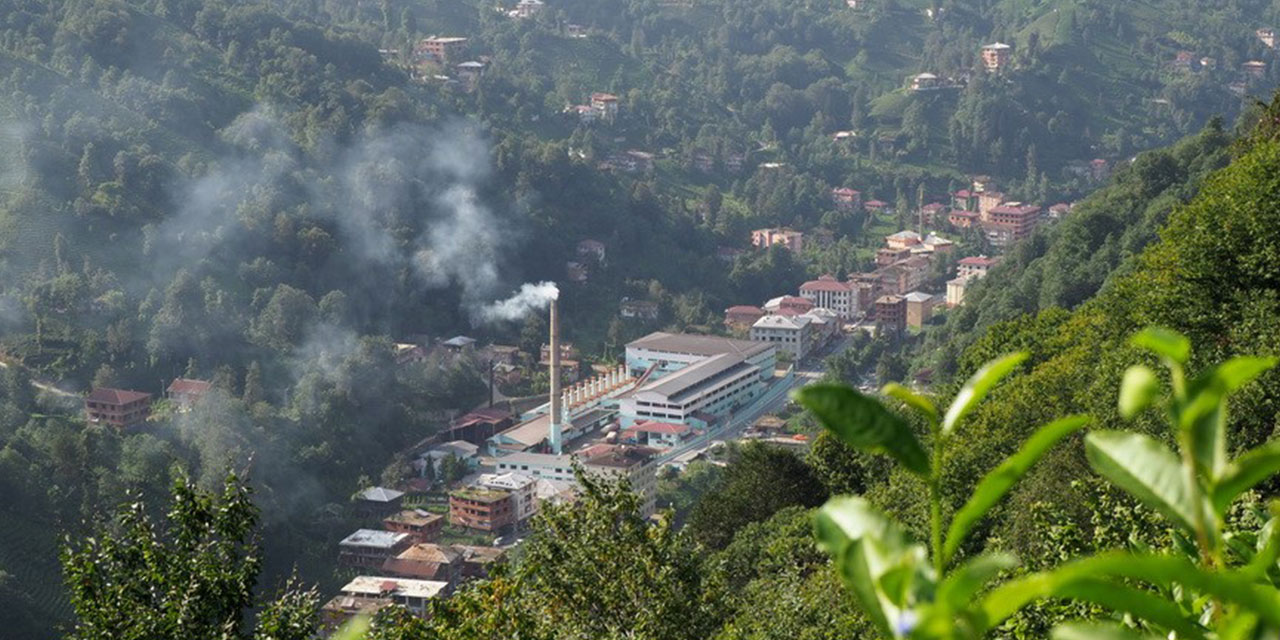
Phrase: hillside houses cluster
pixel 435 58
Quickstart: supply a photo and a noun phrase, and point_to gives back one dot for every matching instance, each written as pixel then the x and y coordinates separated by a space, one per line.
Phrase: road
pixel 46 386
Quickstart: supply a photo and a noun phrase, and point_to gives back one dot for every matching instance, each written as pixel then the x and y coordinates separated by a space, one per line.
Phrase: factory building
pixel 694 380
pixel 667 353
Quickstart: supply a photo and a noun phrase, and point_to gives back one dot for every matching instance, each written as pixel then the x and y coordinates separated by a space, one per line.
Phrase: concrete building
pixel 422 526
pixel 846 198
pixel 828 293
pixel 482 509
pixel 378 502
pixel 919 308
pixel 956 289
pixel 521 488
pixel 988 200
pixel 996 56
pixel 658 435
pixel 886 256
pixel 924 81
pixel 975 266
pixel 765 238
pixel 120 408
pixel 962 219
pixel 184 393
pixel 789 333
pixel 670 352
pixel 891 314
pixel 902 240
pixel 636 464
pixel 698 394
pixel 426 561
pixel 742 316
pixel 529 8
pixel 787 306
pixel 440 49
pixel 371 547
pixel 369 594
pixel 1009 223
pixel 605 105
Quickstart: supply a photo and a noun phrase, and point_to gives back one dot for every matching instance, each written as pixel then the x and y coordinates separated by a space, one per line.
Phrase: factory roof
pixel 698 345
pixel 535 459
pixel 531 432
pixel 378 586
pixel 458 448
pixel 373 538
pixel 696 376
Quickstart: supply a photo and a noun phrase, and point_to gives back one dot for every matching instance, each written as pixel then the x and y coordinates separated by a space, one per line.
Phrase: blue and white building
pixel 694 380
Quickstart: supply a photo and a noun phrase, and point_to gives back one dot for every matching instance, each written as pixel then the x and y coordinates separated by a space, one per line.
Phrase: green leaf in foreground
pixel 1244 472
pixel 1163 342
pixel 1093 631
pixel 921 404
pixel 851 531
pixel 978 386
pixel 1138 390
pixel 994 486
pixel 863 423
pixel 1146 469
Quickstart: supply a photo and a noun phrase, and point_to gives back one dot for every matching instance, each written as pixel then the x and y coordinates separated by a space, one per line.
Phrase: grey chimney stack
pixel 554 436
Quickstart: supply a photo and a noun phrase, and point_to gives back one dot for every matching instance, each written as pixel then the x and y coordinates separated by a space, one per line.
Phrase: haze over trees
pixel 256 195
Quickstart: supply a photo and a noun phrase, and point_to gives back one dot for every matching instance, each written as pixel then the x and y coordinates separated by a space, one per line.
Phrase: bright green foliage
pixel 1220 588
pixel 191 578
pixel 590 569
pixel 904 588
pixel 864 423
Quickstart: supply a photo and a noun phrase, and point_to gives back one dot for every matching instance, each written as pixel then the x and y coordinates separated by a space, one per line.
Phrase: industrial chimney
pixel 554 435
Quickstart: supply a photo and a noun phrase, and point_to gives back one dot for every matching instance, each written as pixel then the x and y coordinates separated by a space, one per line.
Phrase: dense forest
pixel 270 194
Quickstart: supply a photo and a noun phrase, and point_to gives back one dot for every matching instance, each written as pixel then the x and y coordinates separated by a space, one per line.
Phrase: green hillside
pixel 269 195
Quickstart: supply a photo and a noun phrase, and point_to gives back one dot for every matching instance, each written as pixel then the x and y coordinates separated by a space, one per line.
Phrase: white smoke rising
pixel 370 193
pixel 529 298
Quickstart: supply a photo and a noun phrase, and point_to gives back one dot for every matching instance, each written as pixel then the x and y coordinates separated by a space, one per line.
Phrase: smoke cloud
pixel 406 199
pixel 529 298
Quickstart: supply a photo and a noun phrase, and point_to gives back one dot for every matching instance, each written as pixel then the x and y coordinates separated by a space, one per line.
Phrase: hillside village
pixel 291 243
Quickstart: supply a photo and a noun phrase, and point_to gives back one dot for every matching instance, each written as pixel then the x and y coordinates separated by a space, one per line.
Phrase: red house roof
pixel 744 308
pixel 978 261
pixel 107 395
pixel 876 204
pixel 1023 210
pixel 963 193
pixel 603 97
pixel 189 386
pixel 665 428
pixel 824 283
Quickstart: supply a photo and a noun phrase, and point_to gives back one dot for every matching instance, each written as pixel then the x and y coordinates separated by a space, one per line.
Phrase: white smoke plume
pixel 529 298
